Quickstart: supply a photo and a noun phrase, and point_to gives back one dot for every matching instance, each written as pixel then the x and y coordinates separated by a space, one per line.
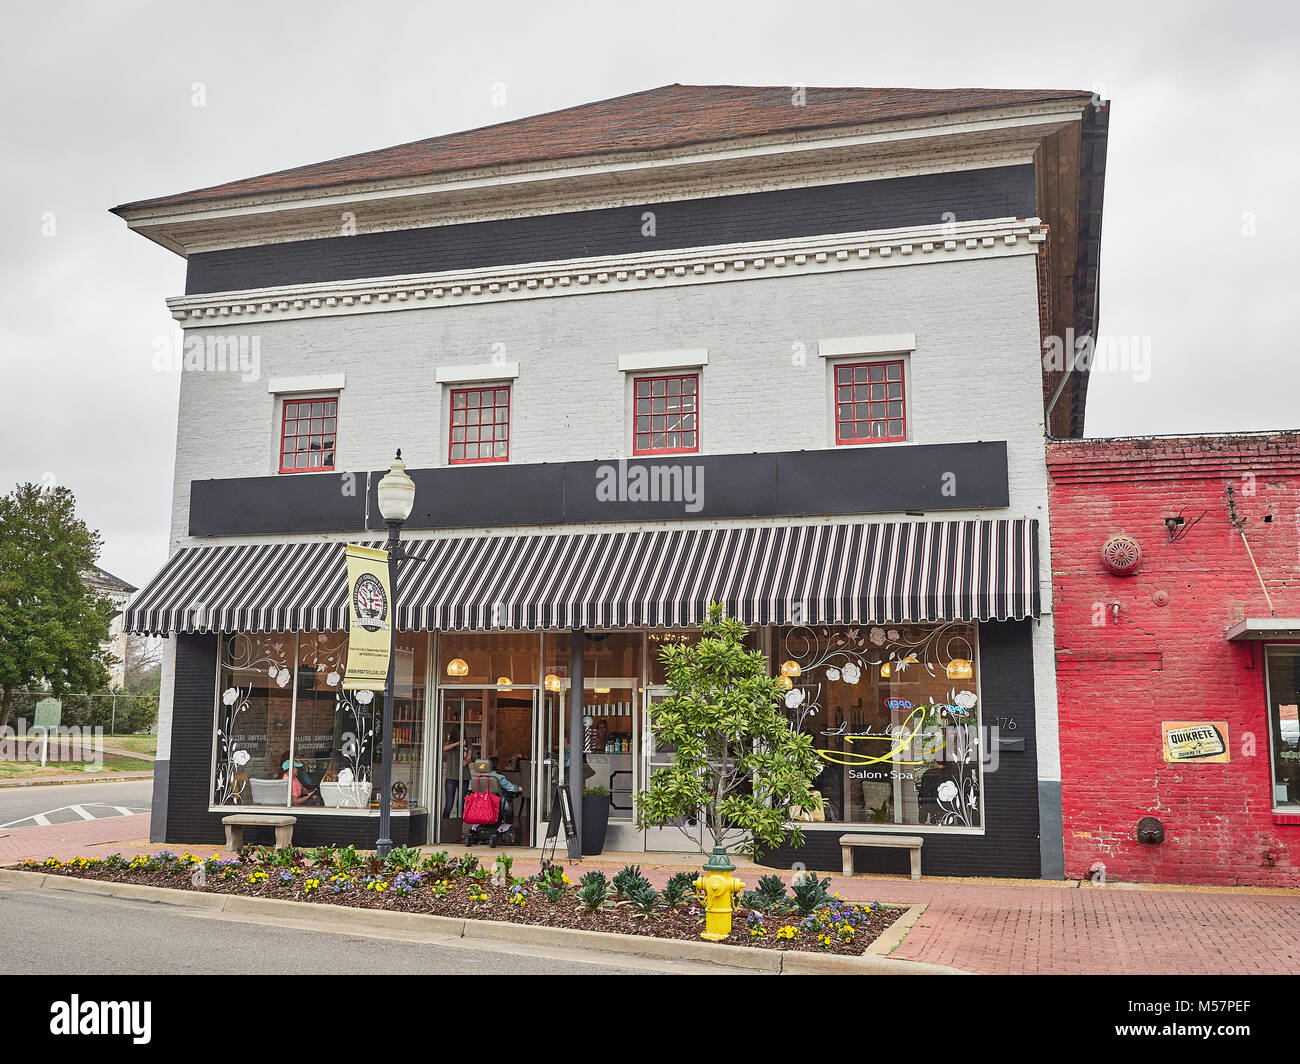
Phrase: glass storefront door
pixel 682 837
pixel 611 729
pixel 496 724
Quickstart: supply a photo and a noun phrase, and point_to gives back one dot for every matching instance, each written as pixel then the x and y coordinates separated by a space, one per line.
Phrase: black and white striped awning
pixel 653 578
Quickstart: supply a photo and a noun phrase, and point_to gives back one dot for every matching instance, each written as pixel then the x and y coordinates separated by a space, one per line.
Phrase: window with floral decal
pixel 894 712
pixel 318 749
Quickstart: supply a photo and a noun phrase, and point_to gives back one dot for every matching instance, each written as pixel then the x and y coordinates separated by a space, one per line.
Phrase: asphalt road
pixel 56 933
pixel 18 805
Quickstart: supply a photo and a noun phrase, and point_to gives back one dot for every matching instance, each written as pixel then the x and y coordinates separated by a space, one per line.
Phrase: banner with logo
pixel 370 609
pixel 1202 741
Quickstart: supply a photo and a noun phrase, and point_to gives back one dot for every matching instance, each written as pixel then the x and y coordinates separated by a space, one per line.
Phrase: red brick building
pixel 1187 625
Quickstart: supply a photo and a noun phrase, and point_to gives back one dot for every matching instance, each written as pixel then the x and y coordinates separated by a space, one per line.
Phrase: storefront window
pixel 488 658
pixel 320 749
pixel 1284 721
pixel 893 711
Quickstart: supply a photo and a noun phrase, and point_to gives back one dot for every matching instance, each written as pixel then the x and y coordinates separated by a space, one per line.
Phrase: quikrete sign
pixel 1206 742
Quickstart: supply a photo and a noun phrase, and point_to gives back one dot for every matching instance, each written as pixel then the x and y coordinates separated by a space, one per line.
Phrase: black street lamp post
pixel 396 494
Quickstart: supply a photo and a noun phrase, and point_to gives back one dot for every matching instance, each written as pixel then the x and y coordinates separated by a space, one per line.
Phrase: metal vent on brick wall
pixel 1121 554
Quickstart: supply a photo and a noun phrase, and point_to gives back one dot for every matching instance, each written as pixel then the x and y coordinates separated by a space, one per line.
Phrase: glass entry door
pixel 685 835
pixel 496 724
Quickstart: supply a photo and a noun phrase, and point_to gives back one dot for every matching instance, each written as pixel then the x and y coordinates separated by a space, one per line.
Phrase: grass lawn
pixel 17 770
pixel 137 744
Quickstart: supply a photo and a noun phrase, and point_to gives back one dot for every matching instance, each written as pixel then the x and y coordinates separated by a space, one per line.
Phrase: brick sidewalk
pixel 981 925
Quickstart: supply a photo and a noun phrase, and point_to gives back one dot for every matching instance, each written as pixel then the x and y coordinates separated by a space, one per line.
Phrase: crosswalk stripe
pixel 121 809
pixel 41 820
pixel 81 812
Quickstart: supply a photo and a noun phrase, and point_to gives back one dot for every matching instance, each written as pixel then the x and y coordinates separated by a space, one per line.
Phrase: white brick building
pixel 743 254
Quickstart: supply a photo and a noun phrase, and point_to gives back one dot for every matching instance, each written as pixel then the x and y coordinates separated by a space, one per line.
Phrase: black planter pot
pixel 595 821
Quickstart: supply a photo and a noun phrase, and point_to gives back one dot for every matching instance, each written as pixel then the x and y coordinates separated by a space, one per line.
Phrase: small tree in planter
pixel 739 764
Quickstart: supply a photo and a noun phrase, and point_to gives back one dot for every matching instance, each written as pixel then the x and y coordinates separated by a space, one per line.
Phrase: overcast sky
pixel 98 109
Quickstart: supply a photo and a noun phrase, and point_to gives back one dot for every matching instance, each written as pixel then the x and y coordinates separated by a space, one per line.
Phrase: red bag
pixel 482 808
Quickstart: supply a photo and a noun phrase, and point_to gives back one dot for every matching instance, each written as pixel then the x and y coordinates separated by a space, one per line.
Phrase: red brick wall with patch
pixel 1164 655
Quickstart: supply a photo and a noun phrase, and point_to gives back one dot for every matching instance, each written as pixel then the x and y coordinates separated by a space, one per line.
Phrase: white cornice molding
pixel 653 269
pixel 1041 114
pixel 935 143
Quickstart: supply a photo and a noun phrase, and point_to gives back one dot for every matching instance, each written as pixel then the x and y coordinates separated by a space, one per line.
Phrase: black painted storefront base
pixel 1008 847
pixel 1010 843
pixel 312 829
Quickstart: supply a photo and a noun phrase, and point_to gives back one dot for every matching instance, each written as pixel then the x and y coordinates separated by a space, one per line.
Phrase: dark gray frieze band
pixel 900 572
pixel 873 479
pixel 849 207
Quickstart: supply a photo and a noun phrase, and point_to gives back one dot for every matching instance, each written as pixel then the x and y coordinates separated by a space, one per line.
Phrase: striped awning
pixel 652 578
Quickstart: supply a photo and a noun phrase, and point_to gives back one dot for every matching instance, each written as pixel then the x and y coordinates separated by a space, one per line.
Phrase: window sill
pixel 1280 817
pixel 887 829
pixel 307 810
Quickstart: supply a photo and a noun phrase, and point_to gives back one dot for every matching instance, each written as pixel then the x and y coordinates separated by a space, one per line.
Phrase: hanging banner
pixel 371 615
pixel 1196 741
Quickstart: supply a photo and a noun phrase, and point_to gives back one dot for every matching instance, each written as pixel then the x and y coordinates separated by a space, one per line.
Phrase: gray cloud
pixel 98 110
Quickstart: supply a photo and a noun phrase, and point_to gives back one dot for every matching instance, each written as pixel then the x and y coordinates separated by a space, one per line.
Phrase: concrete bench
pixel 236 822
pixel 897 842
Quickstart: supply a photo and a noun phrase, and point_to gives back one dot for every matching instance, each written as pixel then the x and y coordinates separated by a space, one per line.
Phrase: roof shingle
pixel 672 116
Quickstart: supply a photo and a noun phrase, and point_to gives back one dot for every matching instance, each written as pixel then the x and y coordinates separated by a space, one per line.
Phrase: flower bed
pixel 808 918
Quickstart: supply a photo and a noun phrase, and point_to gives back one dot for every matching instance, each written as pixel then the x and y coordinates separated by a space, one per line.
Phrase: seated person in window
pixel 299 791
pixel 482 768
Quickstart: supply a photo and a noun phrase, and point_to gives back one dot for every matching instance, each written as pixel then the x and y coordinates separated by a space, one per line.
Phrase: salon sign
pixel 1206 742
pixel 370 616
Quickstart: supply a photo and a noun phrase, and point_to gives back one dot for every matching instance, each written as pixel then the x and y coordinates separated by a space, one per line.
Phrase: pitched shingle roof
pixel 672 116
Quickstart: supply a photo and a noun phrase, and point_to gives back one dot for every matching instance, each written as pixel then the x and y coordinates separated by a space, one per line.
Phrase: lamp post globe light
pixel 396 496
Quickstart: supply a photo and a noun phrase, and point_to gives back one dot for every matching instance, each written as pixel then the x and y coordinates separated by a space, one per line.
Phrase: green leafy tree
pixel 739 765
pixel 51 623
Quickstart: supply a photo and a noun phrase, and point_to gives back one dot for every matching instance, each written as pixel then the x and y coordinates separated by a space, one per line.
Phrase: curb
pixel 59 781
pixel 343 919
pixel 897 931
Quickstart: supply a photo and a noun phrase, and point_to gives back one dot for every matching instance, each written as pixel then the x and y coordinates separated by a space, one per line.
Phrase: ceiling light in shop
pixel 960 669
pixel 790 668
pixel 503 681
pixel 457 667
pixel 552 682
pixel 785 682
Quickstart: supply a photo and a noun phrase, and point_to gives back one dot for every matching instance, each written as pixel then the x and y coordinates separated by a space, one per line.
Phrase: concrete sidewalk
pixel 997 926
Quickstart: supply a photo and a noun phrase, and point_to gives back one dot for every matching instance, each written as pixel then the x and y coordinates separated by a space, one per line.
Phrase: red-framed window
pixel 307 432
pixel 870 403
pixel 666 415
pixel 480 425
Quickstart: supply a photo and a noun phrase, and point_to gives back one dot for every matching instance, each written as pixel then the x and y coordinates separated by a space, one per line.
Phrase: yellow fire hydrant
pixel 719 886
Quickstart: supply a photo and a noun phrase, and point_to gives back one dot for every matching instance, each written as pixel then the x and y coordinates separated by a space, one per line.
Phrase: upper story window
pixel 307 435
pixel 667 415
pixel 870 406
pixel 480 424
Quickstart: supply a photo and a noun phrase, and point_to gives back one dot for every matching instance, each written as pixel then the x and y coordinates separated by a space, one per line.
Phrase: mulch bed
pixel 841 928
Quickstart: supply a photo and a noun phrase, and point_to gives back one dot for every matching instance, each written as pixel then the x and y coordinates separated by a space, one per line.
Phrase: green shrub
pixel 810 893
pixel 680 887
pixel 628 880
pixel 347 859
pixel 403 859
pixel 644 898
pixel 593 892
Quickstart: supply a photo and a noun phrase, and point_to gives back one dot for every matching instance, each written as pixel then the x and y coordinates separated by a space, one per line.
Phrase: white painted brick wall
pixel 974 376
